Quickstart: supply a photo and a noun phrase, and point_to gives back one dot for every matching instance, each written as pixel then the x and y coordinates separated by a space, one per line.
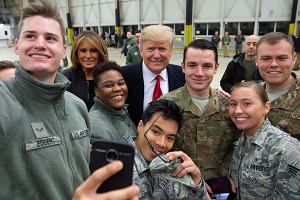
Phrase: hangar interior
pixel 250 16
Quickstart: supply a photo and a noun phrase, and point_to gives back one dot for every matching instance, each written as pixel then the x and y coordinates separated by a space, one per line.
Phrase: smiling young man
pixel 207 134
pixel 161 176
pixel 41 155
pixel 275 61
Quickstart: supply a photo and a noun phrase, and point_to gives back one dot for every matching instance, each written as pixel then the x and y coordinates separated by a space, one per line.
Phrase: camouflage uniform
pixel 154 186
pixel 285 111
pixel 206 137
pixel 270 166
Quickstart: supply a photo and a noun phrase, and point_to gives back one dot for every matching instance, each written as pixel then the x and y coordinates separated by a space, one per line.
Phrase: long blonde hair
pixel 95 40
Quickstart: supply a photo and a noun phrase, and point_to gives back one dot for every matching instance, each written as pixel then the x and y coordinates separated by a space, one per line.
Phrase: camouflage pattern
pixel 285 111
pixel 155 186
pixel 142 176
pixel 206 137
pixel 159 168
pixel 270 166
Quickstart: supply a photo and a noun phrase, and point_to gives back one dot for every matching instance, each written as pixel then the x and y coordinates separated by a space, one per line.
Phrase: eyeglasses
pixel 145 134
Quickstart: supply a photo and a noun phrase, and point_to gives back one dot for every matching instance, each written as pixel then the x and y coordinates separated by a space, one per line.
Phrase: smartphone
pixel 104 152
pixel 221 196
pixel 221 188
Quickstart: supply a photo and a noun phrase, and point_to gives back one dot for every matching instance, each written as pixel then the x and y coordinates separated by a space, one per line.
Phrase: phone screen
pixel 222 196
pixel 104 152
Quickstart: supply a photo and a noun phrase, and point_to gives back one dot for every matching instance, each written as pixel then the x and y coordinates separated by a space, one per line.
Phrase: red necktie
pixel 157 91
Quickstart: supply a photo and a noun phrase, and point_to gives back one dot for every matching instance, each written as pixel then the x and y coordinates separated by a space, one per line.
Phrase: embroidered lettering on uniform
pixel 259 168
pixel 289 114
pixel 163 183
pixel 293 170
pixel 42 142
pixel 79 134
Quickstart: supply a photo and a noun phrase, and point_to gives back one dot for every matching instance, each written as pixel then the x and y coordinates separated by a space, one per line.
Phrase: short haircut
pixel 6 64
pixel 41 8
pixel 258 88
pixel 96 41
pixel 167 109
pixel 103 67
pixel 203 45
pixel 157 33
pixel 273 38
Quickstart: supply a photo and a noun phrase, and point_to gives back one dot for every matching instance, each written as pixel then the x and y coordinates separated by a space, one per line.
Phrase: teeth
pixel 39 56
pixel 241 118
pixel 156 151
pixel 117 97
pixel 274 72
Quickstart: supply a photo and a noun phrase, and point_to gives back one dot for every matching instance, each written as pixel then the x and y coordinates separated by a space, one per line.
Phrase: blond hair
pixel 157 33
pixel 95 40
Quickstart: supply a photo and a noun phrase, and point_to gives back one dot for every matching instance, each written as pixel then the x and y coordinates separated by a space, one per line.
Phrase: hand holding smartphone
pixel 104 152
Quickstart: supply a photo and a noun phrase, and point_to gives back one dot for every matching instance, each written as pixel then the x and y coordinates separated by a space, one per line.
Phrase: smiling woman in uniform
pixel 266 160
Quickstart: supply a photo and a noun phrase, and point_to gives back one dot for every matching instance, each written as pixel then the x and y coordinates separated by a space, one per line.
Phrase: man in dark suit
pixel 153 76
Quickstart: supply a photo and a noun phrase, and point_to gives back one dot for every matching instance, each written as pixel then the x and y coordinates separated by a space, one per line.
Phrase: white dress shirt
pixel 149 84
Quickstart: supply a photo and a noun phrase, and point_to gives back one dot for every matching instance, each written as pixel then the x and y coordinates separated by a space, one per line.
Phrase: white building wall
pixel 100 13
pixel 275 9
pixel 129 12
pixel 207 10
pixel 173 11
pixel 150 11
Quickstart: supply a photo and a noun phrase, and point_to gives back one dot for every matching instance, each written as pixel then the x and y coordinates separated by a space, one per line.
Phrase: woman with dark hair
pixel 88 50
pixel 109 117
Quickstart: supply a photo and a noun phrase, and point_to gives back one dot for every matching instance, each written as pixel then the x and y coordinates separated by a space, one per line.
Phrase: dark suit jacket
pixel 134 79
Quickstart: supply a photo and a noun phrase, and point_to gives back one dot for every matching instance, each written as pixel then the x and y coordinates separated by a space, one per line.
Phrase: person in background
pixel 153 76
pixel 266 160
pixel 133 55
pixel 296 41
pixel 117 40
pixel 215 39
pixel 239 39
pixel 129 42
pixel 7 69
pixel 207 134
pixel 275 59
pixel 88 50
pixel 226 42
pixel 109 116
pixel 242 67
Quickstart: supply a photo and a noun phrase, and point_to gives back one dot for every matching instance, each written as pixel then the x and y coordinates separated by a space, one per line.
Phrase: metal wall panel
pixel 279 10
pixel 173 11
pixel 91 12
pixel 150 11
pixel 107 12
pixel 129 12
pixel 207 10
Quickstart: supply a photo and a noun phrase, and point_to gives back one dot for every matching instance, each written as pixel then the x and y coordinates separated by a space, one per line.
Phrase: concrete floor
pixel 7 53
